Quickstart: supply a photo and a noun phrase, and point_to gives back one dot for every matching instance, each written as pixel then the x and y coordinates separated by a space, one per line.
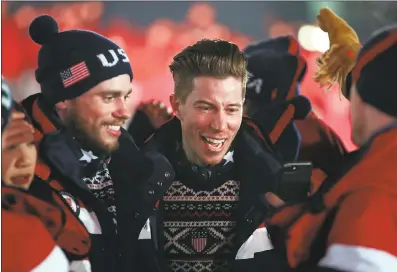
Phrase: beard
pixel 89 136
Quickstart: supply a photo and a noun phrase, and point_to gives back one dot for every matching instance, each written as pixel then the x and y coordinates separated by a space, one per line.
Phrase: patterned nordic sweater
pixel 199 226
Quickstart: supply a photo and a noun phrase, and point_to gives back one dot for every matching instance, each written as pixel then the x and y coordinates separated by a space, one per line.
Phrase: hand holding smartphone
pixel 294 183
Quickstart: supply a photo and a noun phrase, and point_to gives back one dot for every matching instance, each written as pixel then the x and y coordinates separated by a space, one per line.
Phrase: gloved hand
pixel 335 64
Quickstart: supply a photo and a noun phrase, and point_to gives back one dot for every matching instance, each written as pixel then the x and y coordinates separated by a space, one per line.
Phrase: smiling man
pixel 95 118
pixel 210 116
pixel 91 161
pixel 210 217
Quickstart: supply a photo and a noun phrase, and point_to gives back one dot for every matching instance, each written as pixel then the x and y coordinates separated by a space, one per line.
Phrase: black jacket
pixel 258 168
pixel 140 128
pixel 140 179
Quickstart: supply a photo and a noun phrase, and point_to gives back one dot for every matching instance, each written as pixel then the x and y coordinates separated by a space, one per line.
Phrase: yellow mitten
pixel 335 64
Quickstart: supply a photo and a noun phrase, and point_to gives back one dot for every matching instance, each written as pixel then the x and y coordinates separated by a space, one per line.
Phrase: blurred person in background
pixel 274 101
pixel 26 244
pixel 92 162
pixel 210 217
pixel 351 224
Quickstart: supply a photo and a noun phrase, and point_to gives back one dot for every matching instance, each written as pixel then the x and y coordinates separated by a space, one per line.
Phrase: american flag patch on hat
pixel 74 74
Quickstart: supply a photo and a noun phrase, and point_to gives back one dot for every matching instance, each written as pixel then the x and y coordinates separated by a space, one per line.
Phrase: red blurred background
pixel 150 50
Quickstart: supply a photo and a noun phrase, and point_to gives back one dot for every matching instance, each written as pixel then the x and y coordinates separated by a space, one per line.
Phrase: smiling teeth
pixel 214 141
pixel 115 128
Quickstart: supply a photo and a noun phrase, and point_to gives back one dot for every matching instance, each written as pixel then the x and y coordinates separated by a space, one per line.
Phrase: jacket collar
pixel 378 133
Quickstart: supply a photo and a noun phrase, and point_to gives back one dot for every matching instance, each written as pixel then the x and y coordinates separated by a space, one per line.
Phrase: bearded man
pixel 84 152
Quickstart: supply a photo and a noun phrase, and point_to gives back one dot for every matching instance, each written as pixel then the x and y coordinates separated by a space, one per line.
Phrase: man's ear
pixel 176 106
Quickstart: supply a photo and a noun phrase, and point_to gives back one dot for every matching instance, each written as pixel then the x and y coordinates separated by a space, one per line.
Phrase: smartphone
pixel 294 183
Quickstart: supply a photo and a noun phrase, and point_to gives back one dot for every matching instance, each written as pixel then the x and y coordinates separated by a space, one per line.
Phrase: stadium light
pixel 312 38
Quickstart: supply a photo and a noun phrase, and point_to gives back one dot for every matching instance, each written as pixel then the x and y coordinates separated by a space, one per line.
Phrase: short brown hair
pixel 208 57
